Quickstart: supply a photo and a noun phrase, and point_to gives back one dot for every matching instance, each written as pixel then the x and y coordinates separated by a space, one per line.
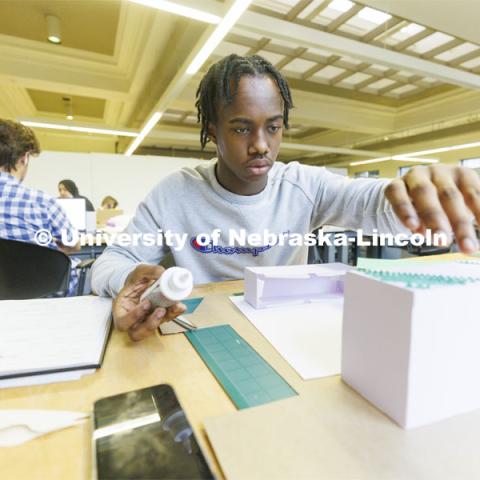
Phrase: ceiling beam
pixel 413 39
pixel 345 17
pixel 320 110
pixel 308 37
pixel 464 58
pixel 181 138
pixel 38 67
pixel 443 48
pixel 186 137
pixel 317 11
pixel 381 29
pixel 296 9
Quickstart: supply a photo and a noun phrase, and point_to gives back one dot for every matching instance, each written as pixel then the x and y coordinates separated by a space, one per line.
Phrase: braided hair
pixel 216 87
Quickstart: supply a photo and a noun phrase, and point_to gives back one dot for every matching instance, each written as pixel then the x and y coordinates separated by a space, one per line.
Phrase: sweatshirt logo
pixel 211 248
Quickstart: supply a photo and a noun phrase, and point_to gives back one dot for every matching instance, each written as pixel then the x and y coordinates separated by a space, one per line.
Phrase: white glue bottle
pixel 174 285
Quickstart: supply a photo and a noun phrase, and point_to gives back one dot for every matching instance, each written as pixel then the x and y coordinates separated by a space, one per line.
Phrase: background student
pixel 68 189
pixel 109 202
pixel 25 211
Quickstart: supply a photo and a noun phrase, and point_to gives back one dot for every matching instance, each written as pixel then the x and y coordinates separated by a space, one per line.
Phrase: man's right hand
pixel 144 273
pixel 140 320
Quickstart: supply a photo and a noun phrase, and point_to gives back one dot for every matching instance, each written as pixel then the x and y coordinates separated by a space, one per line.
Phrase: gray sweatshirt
pixel 297 199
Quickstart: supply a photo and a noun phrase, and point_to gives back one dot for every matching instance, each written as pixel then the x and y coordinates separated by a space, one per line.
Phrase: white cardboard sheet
pixel 308 336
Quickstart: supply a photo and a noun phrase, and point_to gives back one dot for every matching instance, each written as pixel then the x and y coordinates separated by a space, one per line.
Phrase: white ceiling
pixel 457 17
pixel 355 82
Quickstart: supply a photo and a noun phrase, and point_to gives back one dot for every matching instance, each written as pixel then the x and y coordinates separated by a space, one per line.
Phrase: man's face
pixel 248 135
pixel 63 192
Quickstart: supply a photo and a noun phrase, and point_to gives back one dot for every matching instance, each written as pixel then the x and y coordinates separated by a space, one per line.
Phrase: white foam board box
pixel 413 353
pixel 294 284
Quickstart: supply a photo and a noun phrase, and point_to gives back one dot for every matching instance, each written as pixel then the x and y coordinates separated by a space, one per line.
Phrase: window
pixel 470 162
pixel 368 174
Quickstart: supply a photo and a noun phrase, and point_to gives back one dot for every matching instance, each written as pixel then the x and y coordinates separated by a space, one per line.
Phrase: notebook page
pixel 45 334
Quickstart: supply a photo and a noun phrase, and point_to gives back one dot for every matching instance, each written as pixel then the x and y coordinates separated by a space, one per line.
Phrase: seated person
pixel 243 105
pixel 109 202
pixel 68 189
pixel 24 211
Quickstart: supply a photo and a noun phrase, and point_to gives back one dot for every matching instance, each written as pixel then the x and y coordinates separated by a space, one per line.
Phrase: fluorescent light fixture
pixel 341 5
pixel 182 10
pixel 77 128
pixel 414 156
pixel 218 35
pixel 373 160
pixel 399 158
pixel 402 158
pixel 374 16
pixel 53 29
pixel 145 131
pixel 443 149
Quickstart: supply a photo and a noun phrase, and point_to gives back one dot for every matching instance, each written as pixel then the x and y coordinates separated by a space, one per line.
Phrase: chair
pixel 28 270
pixel 423 251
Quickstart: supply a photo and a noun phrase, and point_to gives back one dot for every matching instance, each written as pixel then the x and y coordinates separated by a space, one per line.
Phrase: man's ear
pixel 21 163
pixel 212 133
pixel 23 160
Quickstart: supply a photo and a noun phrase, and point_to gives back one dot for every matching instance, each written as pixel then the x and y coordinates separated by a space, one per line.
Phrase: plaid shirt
pixel 24 212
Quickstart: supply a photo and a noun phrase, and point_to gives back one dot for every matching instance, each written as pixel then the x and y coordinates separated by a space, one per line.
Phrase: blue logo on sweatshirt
pixel 211 248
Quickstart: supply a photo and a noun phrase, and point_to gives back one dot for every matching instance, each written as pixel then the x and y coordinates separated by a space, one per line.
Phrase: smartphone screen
pixel 145 434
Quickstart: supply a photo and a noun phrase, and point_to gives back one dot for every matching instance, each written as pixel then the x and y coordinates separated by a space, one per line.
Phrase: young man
pixel 243 105
pixel 24 212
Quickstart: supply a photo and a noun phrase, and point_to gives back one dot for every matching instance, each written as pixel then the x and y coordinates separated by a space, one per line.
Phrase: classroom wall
pixel 128 179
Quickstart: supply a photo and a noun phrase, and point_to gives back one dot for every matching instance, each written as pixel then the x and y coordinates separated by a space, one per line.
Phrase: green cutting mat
pixel 244 375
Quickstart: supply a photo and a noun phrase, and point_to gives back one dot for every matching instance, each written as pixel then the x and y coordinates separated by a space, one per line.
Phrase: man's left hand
pixel 441 198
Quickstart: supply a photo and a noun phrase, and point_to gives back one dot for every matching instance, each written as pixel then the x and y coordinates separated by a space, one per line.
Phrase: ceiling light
pixel 443 149
pixel 341 5
pixel 145 131
pixel 67 101
pixel 413 156
pixel 218 34
pixel 373 160
pixel 53 29
pixel 227 22
pixel 78 128
pixel 374 16
pixel 399 158
pixel 403 158
pixel 182 10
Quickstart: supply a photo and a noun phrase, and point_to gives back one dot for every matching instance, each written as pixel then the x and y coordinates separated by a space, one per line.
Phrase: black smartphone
pixel 145 434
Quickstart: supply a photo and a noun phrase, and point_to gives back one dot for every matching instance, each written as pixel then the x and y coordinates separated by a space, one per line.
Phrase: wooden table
pixel 66 454
pixel 170 359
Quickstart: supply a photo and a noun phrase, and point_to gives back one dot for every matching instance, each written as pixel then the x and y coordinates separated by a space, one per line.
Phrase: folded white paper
pixel 308 336
pixel 294 284
pixel 20 426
